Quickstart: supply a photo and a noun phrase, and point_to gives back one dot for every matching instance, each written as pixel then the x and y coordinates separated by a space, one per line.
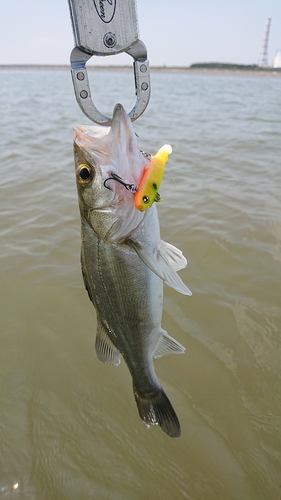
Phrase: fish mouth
pixel 131 163
pixel 120 117
pixel 114 148
pixel 90 136
pixel 84 134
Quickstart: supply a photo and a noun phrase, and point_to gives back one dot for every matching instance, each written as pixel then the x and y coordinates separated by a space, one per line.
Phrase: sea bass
pixel 125 262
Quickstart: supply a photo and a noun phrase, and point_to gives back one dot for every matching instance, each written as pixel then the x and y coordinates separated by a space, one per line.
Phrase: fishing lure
pixel 147 192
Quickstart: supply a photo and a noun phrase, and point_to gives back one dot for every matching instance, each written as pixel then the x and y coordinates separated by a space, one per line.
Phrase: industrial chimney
pixel 262 61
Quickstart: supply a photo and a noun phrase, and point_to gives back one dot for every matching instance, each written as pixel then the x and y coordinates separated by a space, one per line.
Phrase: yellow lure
pixel 148 189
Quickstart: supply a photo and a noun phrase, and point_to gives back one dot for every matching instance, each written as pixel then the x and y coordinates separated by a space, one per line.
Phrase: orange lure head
pixel 148 189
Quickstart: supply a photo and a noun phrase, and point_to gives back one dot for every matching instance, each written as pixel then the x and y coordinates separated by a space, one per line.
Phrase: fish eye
pixel 84 173
pixel 145 199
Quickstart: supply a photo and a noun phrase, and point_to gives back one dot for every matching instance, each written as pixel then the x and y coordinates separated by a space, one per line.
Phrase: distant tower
pixel 262 61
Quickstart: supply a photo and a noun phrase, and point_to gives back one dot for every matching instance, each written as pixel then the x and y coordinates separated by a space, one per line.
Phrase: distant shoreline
pixel 157 69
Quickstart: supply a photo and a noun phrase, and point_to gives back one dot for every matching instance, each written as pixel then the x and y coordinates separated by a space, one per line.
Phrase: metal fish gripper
pixel 103 28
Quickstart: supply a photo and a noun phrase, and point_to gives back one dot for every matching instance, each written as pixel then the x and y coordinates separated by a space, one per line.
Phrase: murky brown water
pixel 69 428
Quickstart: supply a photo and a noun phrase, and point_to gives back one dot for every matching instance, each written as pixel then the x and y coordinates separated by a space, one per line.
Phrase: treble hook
pixel 130 187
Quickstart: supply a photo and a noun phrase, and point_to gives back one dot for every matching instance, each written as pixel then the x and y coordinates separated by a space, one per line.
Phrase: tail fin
pixel 157 410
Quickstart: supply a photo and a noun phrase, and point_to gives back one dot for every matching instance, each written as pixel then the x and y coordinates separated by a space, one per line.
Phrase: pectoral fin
pixel 167 345
pixel 165 264
pixel 105 349
pixel 144 256
pixel 173 256
pixel 170 259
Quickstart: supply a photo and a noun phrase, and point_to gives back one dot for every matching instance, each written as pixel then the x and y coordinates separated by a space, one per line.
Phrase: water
pixel 69 428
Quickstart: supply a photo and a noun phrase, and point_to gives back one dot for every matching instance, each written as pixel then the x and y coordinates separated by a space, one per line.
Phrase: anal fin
pixel 105 349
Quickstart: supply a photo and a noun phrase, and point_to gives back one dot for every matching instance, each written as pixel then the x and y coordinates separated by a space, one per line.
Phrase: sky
pixel 175 32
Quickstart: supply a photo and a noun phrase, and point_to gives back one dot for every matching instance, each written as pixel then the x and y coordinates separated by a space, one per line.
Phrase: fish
pixel 125 263
pixel 147 192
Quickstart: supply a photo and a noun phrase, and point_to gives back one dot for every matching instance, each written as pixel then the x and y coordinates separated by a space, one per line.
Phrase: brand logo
pixel 105 9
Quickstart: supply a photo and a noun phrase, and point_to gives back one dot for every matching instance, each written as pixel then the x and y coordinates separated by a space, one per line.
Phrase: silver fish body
pixel 124 263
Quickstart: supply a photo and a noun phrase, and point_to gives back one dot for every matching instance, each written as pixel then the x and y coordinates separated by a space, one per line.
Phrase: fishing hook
pixel 130 187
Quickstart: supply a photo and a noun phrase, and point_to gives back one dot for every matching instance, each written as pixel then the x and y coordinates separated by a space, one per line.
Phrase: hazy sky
pixel 175 32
